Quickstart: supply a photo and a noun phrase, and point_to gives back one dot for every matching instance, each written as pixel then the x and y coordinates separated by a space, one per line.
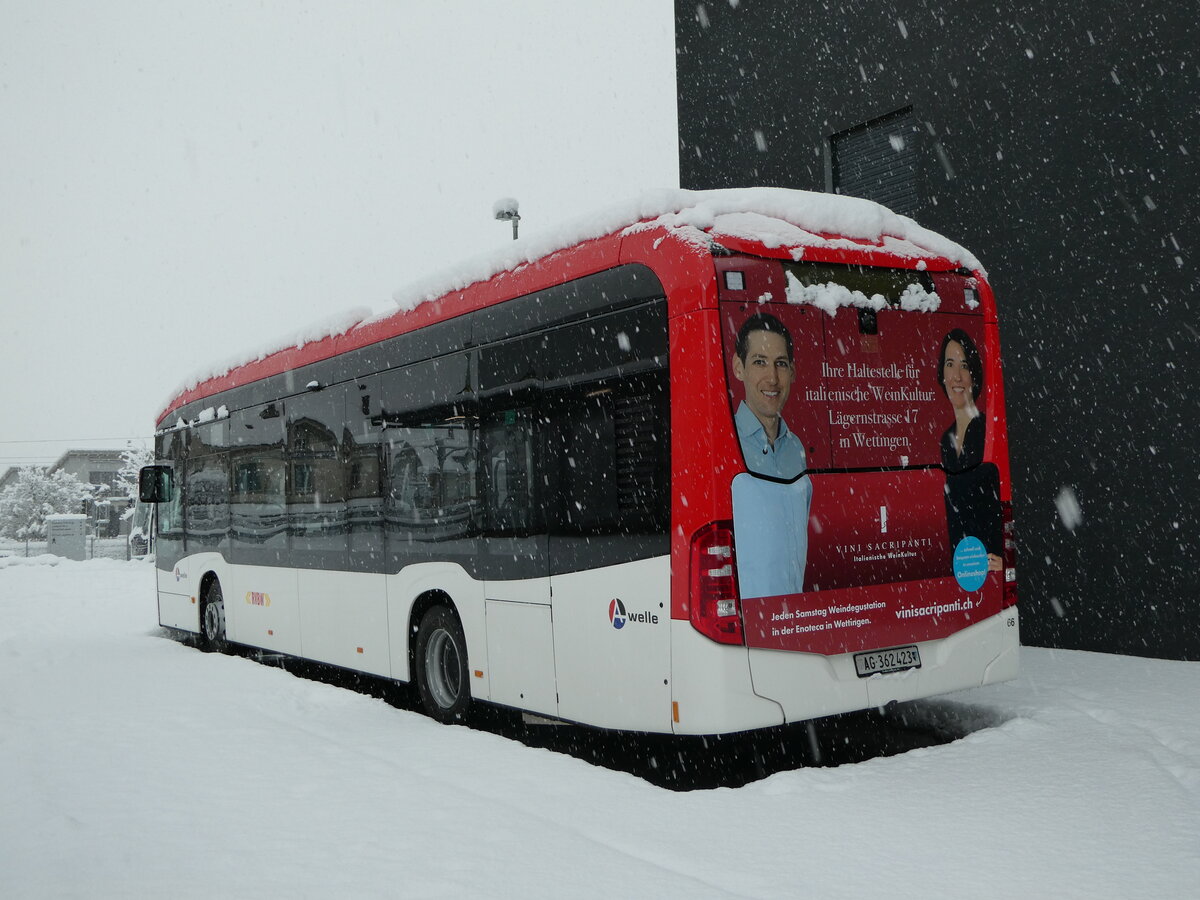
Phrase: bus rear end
pixel 857 548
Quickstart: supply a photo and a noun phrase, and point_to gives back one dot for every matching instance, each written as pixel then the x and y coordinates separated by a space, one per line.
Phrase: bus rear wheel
pixel 212 620
pixel 441 666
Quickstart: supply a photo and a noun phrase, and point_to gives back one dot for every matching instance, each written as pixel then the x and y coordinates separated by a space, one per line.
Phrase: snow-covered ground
pixel 95 548
pixel 132 765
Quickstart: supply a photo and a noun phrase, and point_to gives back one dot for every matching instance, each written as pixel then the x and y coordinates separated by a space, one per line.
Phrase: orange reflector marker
pixel 479 673
pixel 270 631
pixel 193 600
pixel 359 649
pixel 675 711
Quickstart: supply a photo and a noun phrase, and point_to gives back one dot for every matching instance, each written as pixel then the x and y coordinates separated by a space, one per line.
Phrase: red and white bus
pixel 719 461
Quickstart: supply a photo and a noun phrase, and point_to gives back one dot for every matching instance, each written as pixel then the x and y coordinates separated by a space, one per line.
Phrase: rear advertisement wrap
pixel 865 516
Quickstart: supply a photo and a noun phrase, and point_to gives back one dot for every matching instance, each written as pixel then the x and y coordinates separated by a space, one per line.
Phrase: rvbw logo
pixel 620 618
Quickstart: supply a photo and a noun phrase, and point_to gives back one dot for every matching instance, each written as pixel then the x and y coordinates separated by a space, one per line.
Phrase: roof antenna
pixel 505 210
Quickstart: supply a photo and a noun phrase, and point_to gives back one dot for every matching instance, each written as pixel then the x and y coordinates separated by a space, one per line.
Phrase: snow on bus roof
pixel 772 217
pixel 325 327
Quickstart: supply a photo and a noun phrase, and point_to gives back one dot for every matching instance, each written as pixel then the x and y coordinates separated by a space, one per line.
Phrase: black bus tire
pixel 212 620
pixel 440 661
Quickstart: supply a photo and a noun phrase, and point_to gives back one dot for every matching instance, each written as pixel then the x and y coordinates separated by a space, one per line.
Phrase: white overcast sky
pixel 181 181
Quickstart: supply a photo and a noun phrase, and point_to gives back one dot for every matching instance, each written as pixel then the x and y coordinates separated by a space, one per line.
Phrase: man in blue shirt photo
pixel 770 514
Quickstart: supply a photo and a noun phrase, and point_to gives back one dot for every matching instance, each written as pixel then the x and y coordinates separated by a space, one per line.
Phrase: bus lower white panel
pixel 169 583
pixel 262 608
pixel 1006 666
pixel 527 590
pixel 809 685
pixel 521 646
pixel 179 590
pixel 710 686
pixel 178 611
pixel 343 619
pixel 951 664
pixel 612 644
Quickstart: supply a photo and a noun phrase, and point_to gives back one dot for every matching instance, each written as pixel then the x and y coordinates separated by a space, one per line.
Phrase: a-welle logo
pixel 620 617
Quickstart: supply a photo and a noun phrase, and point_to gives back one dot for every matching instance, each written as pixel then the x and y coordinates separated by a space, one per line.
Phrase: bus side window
pixel 430 430
pixel 608 448
pixel 170 518
pixel 316 473
pixel 581 449
pixel 508 445
pixel 431 491
pixel 206 489
pixel 258 477
pixel 643 466
pixel 606 423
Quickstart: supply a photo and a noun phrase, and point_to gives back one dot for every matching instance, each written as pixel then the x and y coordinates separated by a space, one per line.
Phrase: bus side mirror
pixel 155 484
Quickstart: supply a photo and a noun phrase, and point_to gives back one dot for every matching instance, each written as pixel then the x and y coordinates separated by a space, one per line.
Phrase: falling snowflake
pixel 1068 508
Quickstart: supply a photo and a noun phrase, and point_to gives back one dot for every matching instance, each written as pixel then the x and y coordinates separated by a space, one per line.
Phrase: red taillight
pixel 715 610
pixel 1010 556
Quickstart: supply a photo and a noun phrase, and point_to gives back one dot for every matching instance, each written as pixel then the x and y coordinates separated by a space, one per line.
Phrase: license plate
pixel 880 662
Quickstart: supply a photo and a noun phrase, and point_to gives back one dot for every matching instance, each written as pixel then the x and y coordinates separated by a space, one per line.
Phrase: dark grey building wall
pixel 1060 142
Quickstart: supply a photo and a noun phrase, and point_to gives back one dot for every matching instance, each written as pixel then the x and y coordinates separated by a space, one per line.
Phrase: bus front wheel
pixel 212 620
pixel 441 666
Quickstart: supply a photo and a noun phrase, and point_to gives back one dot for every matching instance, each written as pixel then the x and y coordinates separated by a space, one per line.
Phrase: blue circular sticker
pixel 970 564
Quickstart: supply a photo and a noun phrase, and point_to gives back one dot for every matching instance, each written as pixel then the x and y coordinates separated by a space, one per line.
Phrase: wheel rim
pixel 443 672
pixel 214 619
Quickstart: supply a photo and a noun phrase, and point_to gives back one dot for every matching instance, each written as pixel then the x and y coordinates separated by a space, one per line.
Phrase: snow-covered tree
pixel 25 504
pixel 132 460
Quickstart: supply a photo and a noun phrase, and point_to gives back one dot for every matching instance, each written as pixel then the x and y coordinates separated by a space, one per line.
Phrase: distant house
pixel 101 469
